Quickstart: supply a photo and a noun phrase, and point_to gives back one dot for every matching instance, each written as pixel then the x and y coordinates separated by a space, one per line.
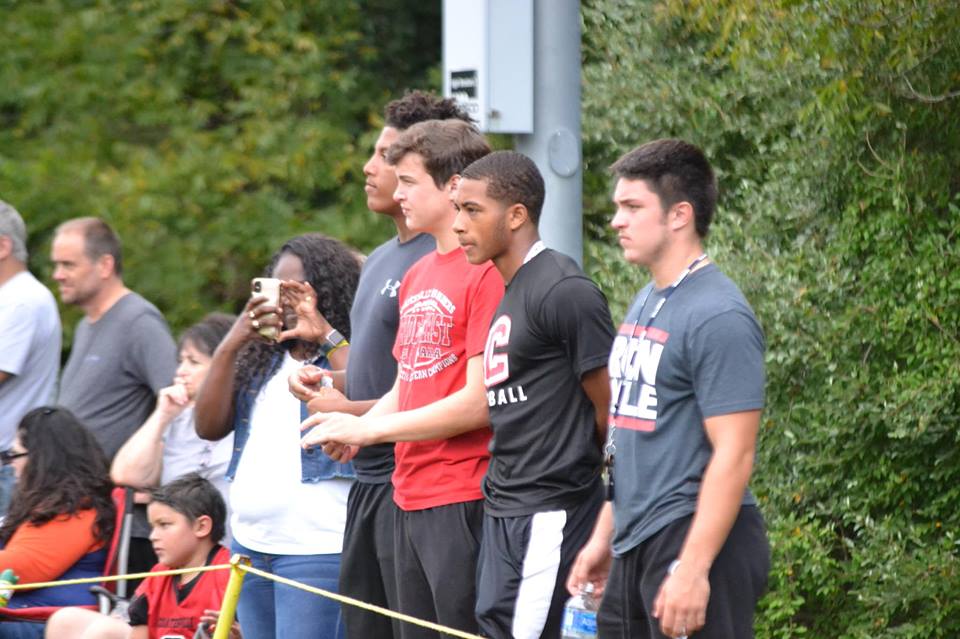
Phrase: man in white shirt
pixel 29 340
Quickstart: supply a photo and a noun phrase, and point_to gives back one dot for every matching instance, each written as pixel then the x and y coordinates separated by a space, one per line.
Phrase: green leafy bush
pixel 834 127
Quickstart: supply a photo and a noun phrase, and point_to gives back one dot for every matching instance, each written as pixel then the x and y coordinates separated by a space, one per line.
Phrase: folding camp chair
pixel 116 564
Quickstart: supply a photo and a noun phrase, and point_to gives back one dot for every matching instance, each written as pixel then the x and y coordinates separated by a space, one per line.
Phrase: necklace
pixel 610 449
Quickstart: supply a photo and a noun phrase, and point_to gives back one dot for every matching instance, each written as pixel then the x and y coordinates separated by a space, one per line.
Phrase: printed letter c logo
pixel 496 366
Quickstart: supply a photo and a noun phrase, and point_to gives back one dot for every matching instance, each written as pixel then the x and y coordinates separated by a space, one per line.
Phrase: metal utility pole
pixel 555 142
pixel 515 66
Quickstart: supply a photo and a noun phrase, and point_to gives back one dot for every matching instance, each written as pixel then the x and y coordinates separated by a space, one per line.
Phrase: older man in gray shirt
pixel 122 349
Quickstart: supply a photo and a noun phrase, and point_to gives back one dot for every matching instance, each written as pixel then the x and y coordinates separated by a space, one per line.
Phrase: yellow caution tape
pixel 350 601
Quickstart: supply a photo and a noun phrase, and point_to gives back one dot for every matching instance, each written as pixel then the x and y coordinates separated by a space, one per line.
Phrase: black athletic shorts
pixel 738 578
pixel 367 560
pixel 436 551
pixel 524 563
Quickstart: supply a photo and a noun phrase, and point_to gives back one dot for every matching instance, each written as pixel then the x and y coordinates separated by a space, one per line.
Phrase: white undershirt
pixel 273 510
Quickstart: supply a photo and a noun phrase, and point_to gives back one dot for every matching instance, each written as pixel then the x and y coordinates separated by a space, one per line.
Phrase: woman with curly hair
pixel 289 505
pixel 61 517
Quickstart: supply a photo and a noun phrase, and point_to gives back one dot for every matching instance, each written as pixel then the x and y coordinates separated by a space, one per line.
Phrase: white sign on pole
pixel 488 61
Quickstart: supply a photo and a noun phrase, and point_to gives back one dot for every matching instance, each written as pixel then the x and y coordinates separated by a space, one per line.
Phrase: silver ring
pixel 256 324
pixel 252 315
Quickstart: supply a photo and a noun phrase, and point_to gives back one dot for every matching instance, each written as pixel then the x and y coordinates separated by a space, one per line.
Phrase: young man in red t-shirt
pixel 436 410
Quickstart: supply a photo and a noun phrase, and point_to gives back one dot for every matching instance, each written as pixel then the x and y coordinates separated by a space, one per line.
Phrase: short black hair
pixel 420 106
pixel 193 496
pixel 445 146
pixel 676 171
pixel 512 178
pixel 207 334
pixel 99 239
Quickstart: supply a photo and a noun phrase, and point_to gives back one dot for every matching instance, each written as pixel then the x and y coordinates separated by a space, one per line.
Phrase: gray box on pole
pixel 488 61
pixel 515 66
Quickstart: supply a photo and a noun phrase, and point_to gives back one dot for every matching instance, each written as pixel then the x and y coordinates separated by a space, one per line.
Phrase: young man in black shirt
pixel 548 394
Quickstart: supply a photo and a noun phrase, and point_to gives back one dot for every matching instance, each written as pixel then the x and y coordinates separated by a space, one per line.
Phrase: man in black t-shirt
pixel 548 395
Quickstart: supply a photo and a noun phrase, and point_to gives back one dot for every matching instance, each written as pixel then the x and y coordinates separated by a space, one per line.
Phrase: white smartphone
pixel 268 287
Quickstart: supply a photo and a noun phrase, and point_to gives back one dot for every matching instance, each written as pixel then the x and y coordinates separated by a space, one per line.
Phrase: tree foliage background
pixel 835 127
pixel 209 132
pixel 205 132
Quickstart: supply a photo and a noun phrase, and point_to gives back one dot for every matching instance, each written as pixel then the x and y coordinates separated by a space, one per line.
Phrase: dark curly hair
pixel 419 106
pixel 66 472
pixel 333 270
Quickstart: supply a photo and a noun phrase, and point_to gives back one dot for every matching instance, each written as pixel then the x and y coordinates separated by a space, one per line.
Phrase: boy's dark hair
pixel 447 147
pixel 98 239
pixel 193 496
pixel 512 178
pixel 676 171
pixel 419 106
pixel 207 334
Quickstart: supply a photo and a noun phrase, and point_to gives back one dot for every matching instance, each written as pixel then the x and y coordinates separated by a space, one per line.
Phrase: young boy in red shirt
pixel 187 519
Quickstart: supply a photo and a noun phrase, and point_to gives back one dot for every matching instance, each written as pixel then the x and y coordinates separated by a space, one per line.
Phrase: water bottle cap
pixel 588 588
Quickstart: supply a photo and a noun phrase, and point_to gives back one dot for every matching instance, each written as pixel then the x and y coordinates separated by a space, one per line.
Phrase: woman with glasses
pixel 61 517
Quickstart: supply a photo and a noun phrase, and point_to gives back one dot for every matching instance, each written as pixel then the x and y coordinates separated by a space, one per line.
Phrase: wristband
pixel 333 341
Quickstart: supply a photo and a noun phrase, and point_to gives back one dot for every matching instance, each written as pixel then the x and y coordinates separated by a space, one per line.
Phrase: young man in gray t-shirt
pixel 687 388
pixel 367 561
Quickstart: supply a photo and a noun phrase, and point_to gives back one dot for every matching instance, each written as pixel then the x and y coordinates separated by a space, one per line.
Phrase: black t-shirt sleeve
pixel 575 311
pixel 138 610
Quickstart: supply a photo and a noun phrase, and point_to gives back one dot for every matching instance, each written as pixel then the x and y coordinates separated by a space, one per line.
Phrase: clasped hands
pixel 339 434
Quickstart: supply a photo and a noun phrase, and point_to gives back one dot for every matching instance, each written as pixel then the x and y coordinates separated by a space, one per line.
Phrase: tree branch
pixel 929 99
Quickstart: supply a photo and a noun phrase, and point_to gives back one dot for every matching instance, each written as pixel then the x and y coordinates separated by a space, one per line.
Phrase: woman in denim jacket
pixel 289 504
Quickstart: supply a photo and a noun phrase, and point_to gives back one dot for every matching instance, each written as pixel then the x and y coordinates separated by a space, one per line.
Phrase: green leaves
pixel 205 133
pixel 839 217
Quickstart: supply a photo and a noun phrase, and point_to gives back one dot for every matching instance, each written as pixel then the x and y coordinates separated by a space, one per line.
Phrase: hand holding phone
pixel 268 287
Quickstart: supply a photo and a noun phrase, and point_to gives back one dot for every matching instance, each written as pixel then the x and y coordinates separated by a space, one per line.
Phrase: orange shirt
pixel 44 552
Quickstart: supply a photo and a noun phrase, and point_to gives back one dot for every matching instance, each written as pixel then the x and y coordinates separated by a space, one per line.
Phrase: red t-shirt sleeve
pixel 44 552
pixel 483 304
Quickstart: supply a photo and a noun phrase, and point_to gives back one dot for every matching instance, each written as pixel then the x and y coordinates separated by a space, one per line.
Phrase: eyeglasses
pixel 7 456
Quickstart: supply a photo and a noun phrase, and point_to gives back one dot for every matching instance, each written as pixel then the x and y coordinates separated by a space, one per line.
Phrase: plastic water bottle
pixel 7 578
pixel 580 615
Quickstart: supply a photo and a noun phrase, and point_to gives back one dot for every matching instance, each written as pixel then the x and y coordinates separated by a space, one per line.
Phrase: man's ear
pixel 517 215
pixel 6 247
pixel 105 266
pixel 681 216
pixel 203 526
pixel 452 185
